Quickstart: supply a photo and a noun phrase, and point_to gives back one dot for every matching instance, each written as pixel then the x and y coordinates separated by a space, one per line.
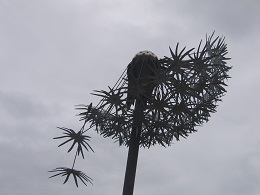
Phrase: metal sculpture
pixel 171 97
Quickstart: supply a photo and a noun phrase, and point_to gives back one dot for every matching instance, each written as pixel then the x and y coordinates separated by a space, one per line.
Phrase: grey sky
pixel 54 53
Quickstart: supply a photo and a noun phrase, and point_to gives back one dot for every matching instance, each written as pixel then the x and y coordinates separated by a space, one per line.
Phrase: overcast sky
pixel 54 53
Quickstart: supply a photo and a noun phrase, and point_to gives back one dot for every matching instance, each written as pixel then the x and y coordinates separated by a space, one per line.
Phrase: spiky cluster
pixel 187 87
pixel 169 97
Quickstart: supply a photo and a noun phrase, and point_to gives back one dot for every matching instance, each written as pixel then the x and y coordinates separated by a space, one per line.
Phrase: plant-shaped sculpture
pixel 158 100
pixel 81 141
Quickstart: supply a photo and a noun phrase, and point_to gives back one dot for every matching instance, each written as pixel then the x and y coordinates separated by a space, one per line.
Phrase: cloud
pixel 54 53
pixel 21 107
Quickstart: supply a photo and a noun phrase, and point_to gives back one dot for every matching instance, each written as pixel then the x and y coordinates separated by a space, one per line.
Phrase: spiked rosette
pixel 177 94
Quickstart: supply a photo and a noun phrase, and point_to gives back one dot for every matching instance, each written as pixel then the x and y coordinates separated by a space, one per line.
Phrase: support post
pixel 133 149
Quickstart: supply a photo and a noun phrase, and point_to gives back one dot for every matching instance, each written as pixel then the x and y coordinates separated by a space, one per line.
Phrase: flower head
pixel 64 171
pixel 78 138
pixel 180 92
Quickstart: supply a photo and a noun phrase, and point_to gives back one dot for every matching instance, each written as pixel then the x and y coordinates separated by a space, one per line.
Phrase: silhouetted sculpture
pixel 172 96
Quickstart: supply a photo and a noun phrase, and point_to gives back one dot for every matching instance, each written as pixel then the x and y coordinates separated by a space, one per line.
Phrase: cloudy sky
pixel 53 53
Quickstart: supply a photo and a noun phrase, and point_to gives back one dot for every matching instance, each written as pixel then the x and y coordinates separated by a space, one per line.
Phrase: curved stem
pixel 74 160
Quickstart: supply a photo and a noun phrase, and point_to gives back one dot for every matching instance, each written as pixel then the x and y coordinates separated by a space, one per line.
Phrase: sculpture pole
pixel 133 149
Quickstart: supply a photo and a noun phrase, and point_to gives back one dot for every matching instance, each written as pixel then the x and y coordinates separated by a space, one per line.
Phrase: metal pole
pixel 133 149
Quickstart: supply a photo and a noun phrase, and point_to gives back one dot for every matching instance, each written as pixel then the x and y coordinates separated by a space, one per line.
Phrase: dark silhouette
pixel 171 97
pixel 141 76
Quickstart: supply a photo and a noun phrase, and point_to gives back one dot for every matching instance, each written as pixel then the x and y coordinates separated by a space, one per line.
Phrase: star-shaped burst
pixel 78 138
pixel 64 171
pixel 186 87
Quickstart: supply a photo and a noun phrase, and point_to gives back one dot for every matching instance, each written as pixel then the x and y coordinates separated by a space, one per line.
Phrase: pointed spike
pixel 176 49
pixel 173 55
